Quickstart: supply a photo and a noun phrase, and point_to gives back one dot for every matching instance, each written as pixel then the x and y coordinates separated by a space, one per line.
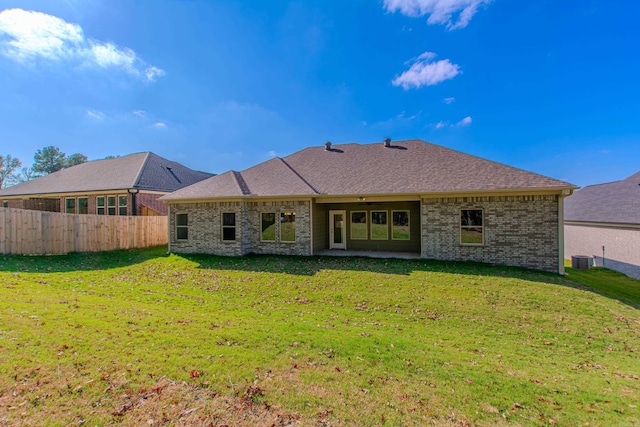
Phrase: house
pixel 127 185
pixel 407 196
pixel 603 221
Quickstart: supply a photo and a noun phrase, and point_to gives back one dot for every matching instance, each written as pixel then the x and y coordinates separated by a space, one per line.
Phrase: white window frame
pixel 409 224
pixel 78 205
pixel 366 223
pixel 371 226
pixel 181 226
pixel 275 225
pixel 66 208
pixel 103 207
pixel 295 234
pixel 471 226
pixel 222 227
pixel 126 206
pixel 114 206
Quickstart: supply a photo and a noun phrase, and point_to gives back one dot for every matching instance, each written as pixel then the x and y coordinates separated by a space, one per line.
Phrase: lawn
pixel 141 338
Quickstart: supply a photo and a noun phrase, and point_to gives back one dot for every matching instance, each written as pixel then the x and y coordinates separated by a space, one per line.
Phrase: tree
pixel 48 160
pixel 26 174
pixel 8 165
pixel 75 159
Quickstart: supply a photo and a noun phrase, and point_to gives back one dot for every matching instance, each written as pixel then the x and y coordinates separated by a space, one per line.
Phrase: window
pixel 122 205
pixel 182 226
pixel 100 205
pixel 83 205
pixel 400 225
pixel 379 227
pixel 70 206
pixel 229 226
pixel 471 227
pixel 268 233
pixel 359 225
pixel 111 205
pixel 5 203
pixel 287 226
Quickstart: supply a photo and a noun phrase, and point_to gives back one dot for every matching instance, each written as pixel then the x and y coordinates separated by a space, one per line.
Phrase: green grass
pixel 471 236
pixel 287 231
pixel 269 233
pixel 132 336
pixel 379 231
pixel 400 232
pixel 359 231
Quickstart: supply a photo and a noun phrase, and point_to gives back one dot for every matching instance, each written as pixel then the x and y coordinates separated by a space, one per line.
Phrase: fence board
pixel 28 232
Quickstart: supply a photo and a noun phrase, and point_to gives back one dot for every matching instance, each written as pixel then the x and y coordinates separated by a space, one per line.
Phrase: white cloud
pixel 151 73
pixel 440 125
pixel 271 153
pixel 140 113
pixel 95 114
pixel 452 13
pixel 449 100
pixel 160 125
pixel 425 72
pixel 27 36
pixel 465 122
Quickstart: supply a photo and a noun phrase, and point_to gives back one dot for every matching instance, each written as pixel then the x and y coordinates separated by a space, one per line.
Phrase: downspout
pixel 168 228
pixel 311 204
pixel 134 207
pixel 565 193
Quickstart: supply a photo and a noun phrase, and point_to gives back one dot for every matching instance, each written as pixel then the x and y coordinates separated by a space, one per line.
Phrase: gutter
pixel 565 193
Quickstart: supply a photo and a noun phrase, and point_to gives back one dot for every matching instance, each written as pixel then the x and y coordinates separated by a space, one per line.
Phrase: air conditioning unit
pixel 581 262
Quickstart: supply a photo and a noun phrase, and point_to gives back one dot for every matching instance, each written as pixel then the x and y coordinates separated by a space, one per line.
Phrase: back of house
pixel 407 196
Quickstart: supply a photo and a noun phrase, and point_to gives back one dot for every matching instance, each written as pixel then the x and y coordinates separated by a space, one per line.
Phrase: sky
pixel 550 86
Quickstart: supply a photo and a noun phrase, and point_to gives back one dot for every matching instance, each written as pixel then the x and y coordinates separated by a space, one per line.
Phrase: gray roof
pixel 407 167
pixel 613 202
pixel 144 171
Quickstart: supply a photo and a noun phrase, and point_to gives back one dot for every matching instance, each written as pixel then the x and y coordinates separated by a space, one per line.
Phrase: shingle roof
pixel 407 167
pixel 613 202
pixel 145 171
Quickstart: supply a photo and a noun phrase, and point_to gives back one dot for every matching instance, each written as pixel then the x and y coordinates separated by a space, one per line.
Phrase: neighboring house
pixel 406 196
pixel 603 221
pixel 128 185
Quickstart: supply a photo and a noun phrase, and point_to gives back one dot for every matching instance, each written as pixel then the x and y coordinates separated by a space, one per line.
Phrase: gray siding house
pixel 603 221
pixel 406 196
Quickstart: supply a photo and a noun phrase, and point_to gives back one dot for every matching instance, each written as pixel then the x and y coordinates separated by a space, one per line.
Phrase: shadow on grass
pixel 601 281
pixel 309 266
pixel 85 261
pixel 607 283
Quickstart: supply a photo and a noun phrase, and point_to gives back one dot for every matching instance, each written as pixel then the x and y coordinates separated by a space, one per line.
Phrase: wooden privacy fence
pixel 27 232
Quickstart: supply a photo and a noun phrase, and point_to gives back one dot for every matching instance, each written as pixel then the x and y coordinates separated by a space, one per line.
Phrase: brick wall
pixel 150 200
pixel 518 230
pixel 302 244
pixel 14 203
pixel 205 228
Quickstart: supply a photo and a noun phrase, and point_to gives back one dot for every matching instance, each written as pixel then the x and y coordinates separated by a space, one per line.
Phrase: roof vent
pixel 387 142
pixel 327 146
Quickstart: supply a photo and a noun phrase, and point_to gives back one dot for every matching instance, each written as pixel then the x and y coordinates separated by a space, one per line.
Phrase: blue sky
pixel 549 86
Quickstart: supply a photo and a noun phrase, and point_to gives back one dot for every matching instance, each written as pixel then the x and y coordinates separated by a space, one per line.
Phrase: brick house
pixel 603 221
pixel 127 185
pixel 407 196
